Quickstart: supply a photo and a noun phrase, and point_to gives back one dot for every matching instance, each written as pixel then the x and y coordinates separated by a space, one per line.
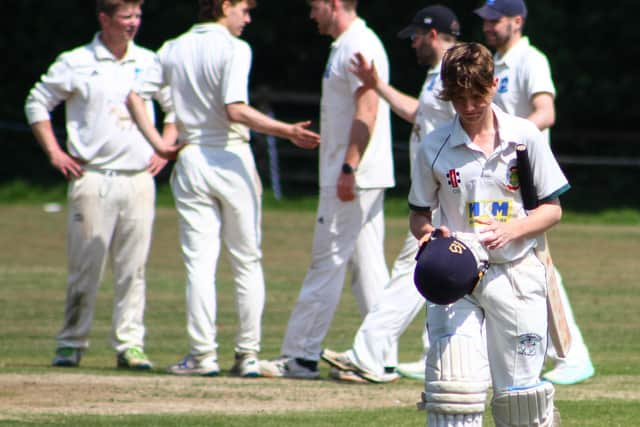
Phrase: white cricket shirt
pixel 522 72
pixel 452 174
pixel 206 68
pixel 338 107
pixel 94 86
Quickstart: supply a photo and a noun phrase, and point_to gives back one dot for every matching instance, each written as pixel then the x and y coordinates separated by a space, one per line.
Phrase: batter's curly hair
pixel 109 7
pixel 467 69
pixel 211 10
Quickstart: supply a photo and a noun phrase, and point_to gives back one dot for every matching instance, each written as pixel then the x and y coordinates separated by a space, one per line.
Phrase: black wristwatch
pixel 347 169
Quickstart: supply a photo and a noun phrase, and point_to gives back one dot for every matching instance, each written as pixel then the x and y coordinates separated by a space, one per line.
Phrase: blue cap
pixel 446 270
pixel 436 16
pixel 496 9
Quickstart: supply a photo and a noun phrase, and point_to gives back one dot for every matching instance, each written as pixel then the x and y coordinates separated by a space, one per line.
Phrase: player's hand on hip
pixel 346 188
pixel 303 137
pixel 156 164
pixel 170 151
pixel 364 71
pixel 67 165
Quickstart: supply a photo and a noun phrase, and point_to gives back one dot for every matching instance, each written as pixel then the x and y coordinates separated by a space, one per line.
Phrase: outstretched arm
pixel 297 133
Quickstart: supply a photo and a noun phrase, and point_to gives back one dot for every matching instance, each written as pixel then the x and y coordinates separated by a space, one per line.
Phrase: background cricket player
pixel 215 183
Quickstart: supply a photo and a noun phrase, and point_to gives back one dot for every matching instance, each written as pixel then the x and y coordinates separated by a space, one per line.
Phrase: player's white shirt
pixel 338 106
pixel 432 111
pixel 522 72
pixel 453 174
pixel 206 68
pixel 94 86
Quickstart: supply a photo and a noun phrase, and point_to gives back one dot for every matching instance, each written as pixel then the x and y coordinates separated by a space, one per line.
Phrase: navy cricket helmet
pixel 446 270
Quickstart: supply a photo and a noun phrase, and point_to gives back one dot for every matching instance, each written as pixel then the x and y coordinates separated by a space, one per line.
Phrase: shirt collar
pixel 206 27
pixel 511 57
pixel 357 24
pixel 103 53
pixel 506 132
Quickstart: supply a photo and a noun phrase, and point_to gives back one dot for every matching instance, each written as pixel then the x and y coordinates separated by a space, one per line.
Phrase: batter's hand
pixel 303 137
pixel 156 164
pixel 444 232
pixel 67 165
pixel 346 187
pixel 364 71
pixel 497 234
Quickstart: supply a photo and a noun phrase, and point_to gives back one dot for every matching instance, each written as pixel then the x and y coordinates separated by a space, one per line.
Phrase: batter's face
pixel 472 108
pixel 237 16
pixel 322 13
pixel 498 33
pixel 421 41
pixel 122 26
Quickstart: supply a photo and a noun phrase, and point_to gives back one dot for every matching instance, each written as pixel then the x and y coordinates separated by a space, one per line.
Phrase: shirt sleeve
pixel 538 77
pixel 549 180
pixel 54 87
pixel 152 80
pixel 423 193
pixel 236 79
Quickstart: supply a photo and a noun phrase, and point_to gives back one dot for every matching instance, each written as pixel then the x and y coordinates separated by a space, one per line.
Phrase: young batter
pixel 467 170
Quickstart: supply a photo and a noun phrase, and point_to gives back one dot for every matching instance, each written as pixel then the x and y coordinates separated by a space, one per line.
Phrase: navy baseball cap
pixel 496 9
pixel 446 270
pixel 437 16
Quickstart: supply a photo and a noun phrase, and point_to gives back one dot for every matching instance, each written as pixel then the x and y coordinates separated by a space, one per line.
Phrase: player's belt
pixel 112 172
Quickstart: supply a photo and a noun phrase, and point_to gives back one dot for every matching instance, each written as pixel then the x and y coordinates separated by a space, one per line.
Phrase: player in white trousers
pixel 110 170
pixel 467 169
pixel 526 90
pixel 356 165
pixel 373 355
pixel 215 183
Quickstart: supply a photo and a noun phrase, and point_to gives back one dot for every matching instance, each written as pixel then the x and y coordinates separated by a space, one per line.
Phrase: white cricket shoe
pixel 287 367
pixel 246 365
pixel 567 374
pixel 347 370
pixel 413 370
pixel 203 364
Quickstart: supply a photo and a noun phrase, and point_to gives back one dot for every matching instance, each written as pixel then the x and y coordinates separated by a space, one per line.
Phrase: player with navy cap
pixel 526 89
pixel 467 169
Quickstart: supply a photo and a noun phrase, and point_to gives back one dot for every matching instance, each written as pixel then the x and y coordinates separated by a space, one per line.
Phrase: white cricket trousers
pixel 347 234
pixel 376 342
pixel 218 195
pixel 512 300
pixel 110 214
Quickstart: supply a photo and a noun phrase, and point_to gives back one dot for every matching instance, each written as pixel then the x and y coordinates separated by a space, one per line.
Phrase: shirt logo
pixel 453 179
pixel 503 85
pixel 432 83
pixel 499 210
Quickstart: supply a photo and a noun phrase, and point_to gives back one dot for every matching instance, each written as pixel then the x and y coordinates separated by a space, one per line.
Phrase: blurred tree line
pixel 590 44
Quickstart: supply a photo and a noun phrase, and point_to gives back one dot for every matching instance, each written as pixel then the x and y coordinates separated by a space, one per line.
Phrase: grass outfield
pixel 598 260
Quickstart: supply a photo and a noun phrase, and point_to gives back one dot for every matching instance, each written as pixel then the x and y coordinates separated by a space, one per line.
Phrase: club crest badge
pixel 513 179
pixel 529 344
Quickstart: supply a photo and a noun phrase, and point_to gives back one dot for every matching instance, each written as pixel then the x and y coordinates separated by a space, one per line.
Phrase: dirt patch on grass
pixel 24 396
pixel 110 395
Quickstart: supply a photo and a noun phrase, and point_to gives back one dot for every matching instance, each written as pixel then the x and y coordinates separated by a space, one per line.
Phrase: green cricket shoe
pixel 134 358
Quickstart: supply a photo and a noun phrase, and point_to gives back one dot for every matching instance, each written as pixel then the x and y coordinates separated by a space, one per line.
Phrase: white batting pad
pixel 531 406
pixel 457 379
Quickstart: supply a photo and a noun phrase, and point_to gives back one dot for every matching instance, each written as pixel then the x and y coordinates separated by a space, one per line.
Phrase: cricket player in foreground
pixel 467 170
pixel 356 165
pixel 526 89
pixel 110 169
pixel 215 183
pixel 432 31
